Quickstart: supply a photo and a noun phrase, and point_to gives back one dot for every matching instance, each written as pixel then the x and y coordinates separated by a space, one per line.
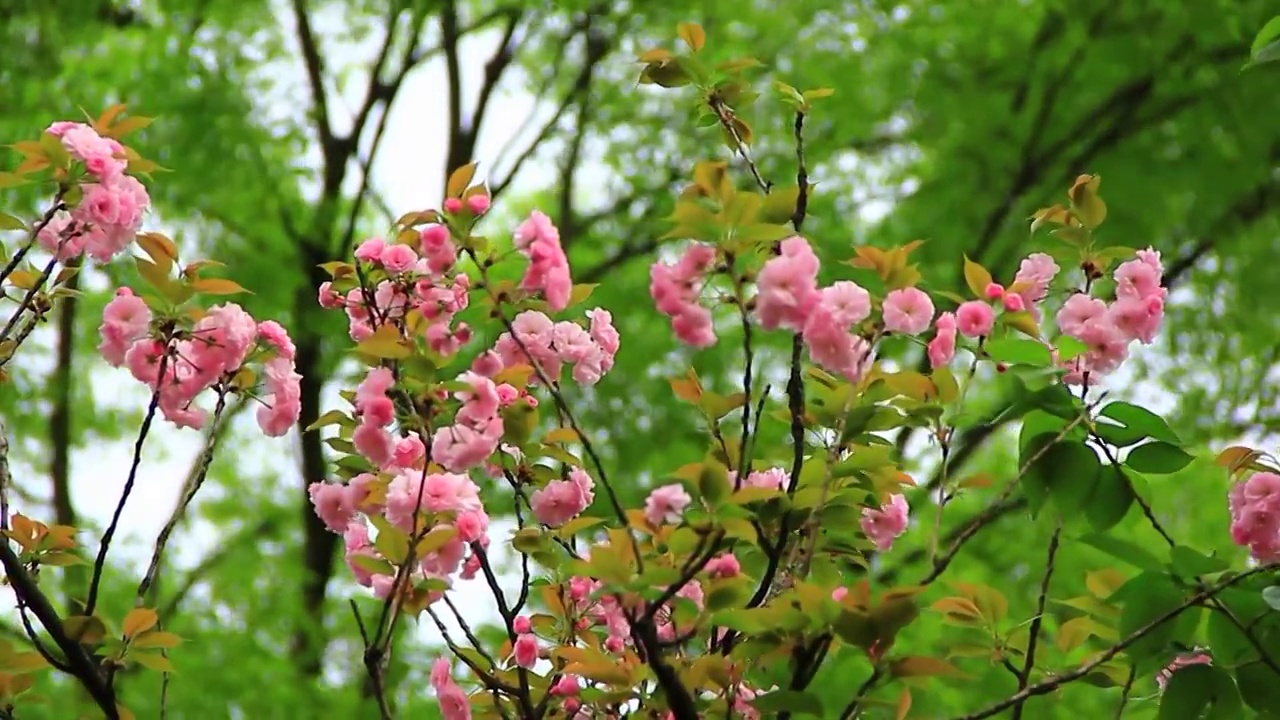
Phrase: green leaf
pixel 1257 684
pixel 1145 599
pixel 333 417
pixel 790 700
pixel 1135 424
pixel 1129 552
pixel 9 222
pixel 1158 458
pixel 1194 688
pixel 1067 472
pixel 1189 563
pixel 1268 34
pixel 1019 351
pixel 1271 596
pixel 1110 499
pixel 1069 348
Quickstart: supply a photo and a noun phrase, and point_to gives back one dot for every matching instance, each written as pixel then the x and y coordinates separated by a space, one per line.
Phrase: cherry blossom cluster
pixel 1109 330
pixel 109 213
pixel 560 501
pixel 676 290
pixel 406 496
pixel 538 341
pixel 789 298
pixel 1255 515
pixel 181 363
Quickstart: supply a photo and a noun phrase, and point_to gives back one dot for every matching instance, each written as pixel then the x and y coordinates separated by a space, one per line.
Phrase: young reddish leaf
pixel 156 639
pixel 152 661
pixel 127 126
pixel 922 666
pixel 976 277
pixel 23 279
pixel 561 435
pixel 692 34
pixel 958 609
pixel 687 388
pixel 139 620
pixel 157 246
pixel 904 704
pixel 656 55
pixel 108 117
pixel 217 286
pixel 459 180
pixel 385 342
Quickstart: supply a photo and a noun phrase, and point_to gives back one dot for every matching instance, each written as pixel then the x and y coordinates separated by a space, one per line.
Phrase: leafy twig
pixel 1050 685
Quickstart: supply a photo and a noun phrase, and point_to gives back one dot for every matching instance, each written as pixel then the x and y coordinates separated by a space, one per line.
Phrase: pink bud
pixel 453 206
pixel 839 593
pixel 994 291
pixel 572 705
pixel 526 651
pixel 522 625
pixel 478 204
pixel 613 644
pixel 566 686
pixel 1014 303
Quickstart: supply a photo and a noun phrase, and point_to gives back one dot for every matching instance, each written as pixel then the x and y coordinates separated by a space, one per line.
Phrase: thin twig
pixel 189 493
pixel 144 430
pixel 1034 630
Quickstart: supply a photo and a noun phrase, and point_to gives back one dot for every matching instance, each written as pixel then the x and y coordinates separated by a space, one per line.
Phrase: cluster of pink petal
pixel 883 525
pixel 538 341
pixel 524 650
pixel 666 505
pixel 213 351
pixel 676 289
pixel 375 411
pixel 422 282
pixel 1108 330
pixel 1196 657
pixel 440 499
pixel 477 427
pixel 539 240
pixel 1255 515
pixel 789 298
pixel 454 704
pixel 771 479
pixel 563 500
pixel 105 220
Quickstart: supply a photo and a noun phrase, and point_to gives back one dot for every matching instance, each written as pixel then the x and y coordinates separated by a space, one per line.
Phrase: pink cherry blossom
pixel 724 566
pixel 1255 515
pixel 675 290
pixel 125 320
pixel 942 348
pixel 666 504
pixel 331 503
pixel 1033 278
pixel 539 240
pixel 833 347
pixel 975 319
pixel 788 287
pixel 526 651
pixel 1078 310
pixel 908 311
pixel 562 500
pixel 454 704
pixel 882 526
pixel 847 301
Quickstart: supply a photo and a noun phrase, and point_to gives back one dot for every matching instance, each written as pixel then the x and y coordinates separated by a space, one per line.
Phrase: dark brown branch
pixel 315 78
pixel 1024 678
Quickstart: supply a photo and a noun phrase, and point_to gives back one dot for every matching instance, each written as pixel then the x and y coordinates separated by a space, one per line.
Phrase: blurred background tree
pixel 296 128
